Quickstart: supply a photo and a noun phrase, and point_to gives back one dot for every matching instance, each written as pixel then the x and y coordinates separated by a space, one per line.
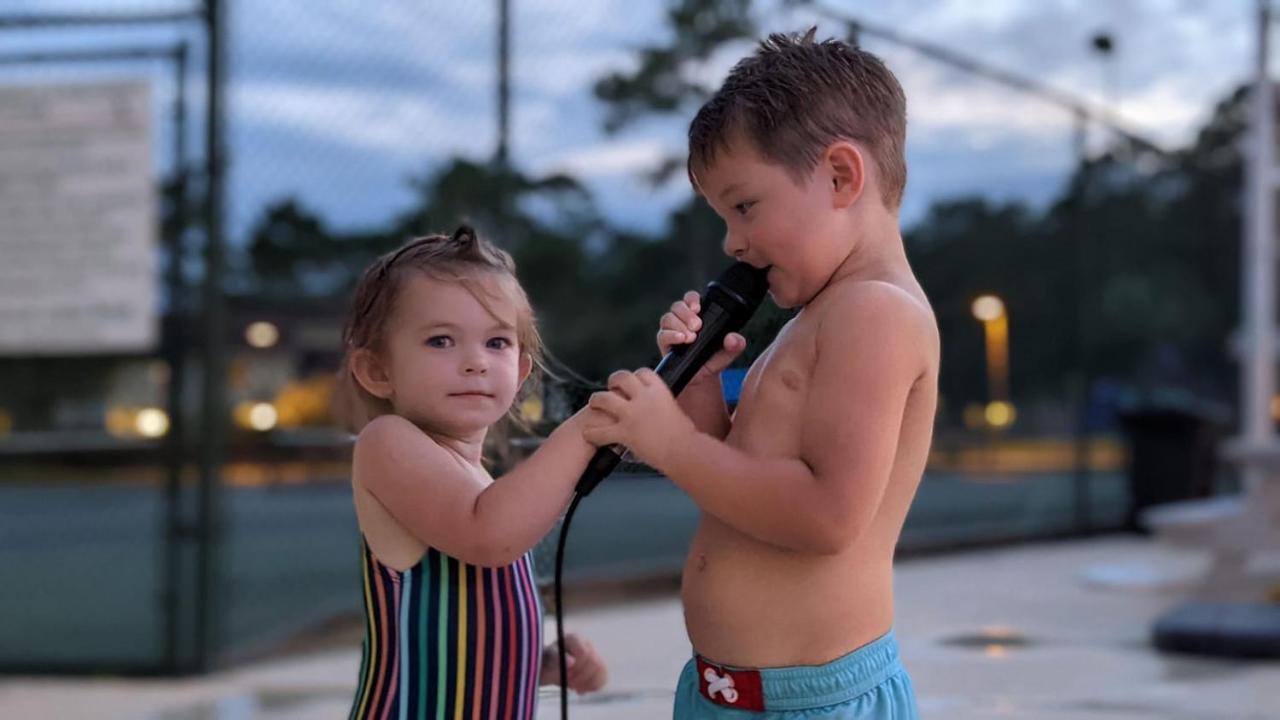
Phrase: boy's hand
pixel 681 326
pixel 587 672
pixel 643 416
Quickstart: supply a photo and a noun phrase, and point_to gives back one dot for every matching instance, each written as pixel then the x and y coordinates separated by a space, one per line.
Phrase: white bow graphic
pixel 723 685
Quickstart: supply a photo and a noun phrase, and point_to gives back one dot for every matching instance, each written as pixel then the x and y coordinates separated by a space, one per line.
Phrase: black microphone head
pixel 744 283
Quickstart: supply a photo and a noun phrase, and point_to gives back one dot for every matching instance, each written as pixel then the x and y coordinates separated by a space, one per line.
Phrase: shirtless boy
pixel 788 587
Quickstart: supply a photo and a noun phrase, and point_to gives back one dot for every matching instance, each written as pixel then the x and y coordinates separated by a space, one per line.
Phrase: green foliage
pixel 1137 259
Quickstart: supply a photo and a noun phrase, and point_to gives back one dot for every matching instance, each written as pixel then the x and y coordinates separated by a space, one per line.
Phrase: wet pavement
pixel 1057 631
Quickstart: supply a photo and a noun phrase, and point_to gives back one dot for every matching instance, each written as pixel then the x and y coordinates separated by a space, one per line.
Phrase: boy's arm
pixel 704 403
pixel 822 500
pixel 446 504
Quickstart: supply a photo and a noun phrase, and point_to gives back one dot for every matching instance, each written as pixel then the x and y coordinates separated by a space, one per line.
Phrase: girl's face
pixel 451 365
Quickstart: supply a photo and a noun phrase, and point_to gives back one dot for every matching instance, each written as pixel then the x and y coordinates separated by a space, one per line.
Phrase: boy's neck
pixel 877 250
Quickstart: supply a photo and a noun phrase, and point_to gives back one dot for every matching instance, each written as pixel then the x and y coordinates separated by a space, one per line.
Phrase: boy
pixel 788 587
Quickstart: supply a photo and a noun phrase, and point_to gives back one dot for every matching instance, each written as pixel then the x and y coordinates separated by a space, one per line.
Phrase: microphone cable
pixel 559 600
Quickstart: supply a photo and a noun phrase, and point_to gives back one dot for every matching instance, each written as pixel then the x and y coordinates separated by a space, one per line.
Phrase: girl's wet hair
pixel 485 270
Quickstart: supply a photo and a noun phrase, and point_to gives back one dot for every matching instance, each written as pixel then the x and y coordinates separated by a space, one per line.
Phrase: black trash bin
pixel 1172 454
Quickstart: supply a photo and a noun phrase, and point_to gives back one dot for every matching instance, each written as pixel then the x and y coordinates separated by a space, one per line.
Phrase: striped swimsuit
pixel 449 641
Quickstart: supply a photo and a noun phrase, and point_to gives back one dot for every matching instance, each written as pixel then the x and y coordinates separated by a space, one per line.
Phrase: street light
pixel 990 311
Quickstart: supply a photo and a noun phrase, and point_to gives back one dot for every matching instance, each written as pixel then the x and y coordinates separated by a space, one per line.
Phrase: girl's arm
pixel 452 506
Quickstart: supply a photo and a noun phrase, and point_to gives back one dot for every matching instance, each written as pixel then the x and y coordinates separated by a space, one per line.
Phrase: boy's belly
pixel 748 604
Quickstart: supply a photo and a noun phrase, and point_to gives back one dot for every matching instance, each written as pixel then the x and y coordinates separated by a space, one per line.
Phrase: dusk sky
pixel 339 103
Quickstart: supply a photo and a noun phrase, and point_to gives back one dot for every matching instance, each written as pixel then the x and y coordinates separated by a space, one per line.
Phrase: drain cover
pixel 990 637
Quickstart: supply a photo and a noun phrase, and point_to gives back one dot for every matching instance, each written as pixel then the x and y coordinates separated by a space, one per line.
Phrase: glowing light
pixel 151 422
pixel 1001 414
pixel 262 334
pixel 262 416
pixel 988 308
pixel 531 409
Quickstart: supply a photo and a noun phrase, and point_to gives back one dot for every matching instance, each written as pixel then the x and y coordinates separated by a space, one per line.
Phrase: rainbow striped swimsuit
pixel 449 641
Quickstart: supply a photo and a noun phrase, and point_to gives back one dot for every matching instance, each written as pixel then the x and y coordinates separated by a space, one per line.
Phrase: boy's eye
pixel 499 343
pixel 743 207
pixel 439 341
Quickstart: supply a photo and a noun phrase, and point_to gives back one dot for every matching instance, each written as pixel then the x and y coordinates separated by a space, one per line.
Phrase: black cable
pixel 564 663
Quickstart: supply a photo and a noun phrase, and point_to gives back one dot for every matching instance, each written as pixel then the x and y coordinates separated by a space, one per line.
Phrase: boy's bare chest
pixel 771 405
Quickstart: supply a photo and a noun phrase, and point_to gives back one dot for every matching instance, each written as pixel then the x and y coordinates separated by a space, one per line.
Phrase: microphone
pixel 726 305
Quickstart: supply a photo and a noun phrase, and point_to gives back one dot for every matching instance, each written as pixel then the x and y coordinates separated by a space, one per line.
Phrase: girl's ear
pixel 371 373
pixel 526 367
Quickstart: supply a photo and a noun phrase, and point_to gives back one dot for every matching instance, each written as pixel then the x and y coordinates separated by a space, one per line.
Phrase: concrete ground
pixel 1055 631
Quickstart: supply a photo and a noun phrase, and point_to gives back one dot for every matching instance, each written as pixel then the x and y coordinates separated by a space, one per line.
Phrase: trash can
pixel 1172 454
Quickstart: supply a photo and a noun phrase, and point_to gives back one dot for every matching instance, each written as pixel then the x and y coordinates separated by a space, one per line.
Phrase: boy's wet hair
pixel 795 96
pixel 485 270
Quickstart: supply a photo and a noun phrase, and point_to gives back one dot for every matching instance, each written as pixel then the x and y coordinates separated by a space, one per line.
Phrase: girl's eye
pixel 440 341
pixel 743 207
pixel 499 343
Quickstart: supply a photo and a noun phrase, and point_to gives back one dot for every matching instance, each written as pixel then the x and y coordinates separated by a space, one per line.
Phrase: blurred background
pixel 189 190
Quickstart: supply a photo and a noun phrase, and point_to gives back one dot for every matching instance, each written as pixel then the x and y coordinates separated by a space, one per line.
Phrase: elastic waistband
pixel 841 680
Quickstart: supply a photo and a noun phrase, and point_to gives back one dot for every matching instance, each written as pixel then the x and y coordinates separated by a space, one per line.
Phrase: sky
pixel 341 102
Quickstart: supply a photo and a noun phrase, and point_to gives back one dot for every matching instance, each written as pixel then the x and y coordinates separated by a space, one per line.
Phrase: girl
pixel 439 340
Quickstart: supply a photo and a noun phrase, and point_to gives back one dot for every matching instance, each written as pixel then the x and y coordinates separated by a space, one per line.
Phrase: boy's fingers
pixel 599 436
pixel 624 382
pixel 609 403
pixel 686 315
pixel 668 338
pixel 734 344
pixel 693 300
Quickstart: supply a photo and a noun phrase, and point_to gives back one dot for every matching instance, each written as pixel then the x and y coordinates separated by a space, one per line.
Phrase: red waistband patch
pixel 741 689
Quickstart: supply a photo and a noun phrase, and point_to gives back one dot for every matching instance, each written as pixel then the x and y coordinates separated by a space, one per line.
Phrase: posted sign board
pixel 78 265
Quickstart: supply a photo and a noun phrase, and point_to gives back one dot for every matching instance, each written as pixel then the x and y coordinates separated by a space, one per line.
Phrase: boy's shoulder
pixel 853 316
pixel 879 303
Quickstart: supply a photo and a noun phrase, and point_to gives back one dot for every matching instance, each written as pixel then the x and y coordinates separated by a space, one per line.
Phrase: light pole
pixel 1105 45
pixel 990 311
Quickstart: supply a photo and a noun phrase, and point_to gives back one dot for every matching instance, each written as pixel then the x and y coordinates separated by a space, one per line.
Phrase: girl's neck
pixel 467 445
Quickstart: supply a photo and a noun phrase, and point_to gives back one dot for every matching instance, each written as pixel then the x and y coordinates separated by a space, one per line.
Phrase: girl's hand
pixel 639 412
pixel 587 672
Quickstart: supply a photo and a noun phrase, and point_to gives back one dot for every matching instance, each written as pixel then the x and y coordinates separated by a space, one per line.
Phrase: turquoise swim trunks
pixel 867 684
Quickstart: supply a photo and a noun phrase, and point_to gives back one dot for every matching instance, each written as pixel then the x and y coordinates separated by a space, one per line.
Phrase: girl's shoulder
pixel 390 440
pixel 381 447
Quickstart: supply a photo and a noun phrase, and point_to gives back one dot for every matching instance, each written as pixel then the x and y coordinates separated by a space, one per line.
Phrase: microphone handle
pixel 676 370
pixel 602 463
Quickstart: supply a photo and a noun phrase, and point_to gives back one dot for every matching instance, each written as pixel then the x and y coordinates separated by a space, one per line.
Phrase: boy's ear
pixel 371 373
pixel 848 173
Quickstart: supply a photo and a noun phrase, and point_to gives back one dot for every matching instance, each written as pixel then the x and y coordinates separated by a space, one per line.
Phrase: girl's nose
pixel 475 364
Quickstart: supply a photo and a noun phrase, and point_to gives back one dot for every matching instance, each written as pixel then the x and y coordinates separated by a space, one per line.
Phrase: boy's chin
pixel 781 301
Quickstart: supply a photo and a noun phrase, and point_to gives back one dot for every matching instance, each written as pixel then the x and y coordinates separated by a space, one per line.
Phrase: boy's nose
pixel 734 245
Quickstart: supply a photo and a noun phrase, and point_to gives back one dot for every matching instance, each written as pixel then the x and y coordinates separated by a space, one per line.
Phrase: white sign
pixel 78 261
